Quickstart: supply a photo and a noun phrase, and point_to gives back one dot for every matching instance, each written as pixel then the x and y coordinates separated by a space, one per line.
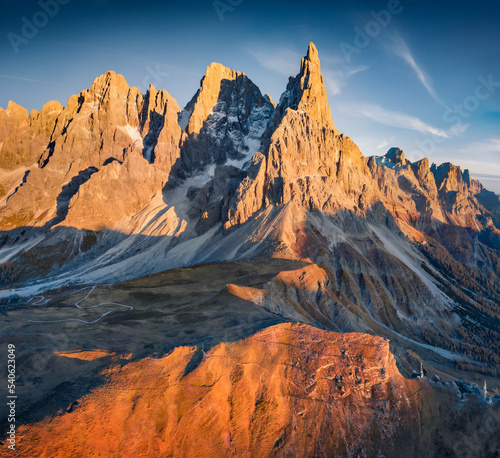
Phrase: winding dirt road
pixel 77 305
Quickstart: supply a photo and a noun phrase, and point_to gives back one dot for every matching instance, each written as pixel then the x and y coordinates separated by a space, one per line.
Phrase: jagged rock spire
pixel 306 92
pixel 224 120
pixel 207 96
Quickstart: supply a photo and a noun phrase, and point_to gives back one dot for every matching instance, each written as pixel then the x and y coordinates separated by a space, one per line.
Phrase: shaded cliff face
pixel 225 120
pixel 286 390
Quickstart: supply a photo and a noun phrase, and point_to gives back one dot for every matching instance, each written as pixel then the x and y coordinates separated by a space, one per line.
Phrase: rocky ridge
pixel 284 390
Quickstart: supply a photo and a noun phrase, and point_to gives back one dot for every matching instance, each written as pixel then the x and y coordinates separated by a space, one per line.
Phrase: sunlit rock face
pixel 100 129
pixel 305 159
pixel 290 389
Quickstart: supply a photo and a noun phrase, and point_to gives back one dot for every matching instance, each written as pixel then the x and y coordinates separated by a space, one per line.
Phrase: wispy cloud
pixel 400 48
pixel 401 120
pixel 457 131
pixel 385 143
pixel 489 146
pixel 20 78
pixel 335 80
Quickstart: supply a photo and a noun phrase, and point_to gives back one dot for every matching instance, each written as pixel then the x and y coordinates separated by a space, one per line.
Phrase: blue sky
pixel 424 76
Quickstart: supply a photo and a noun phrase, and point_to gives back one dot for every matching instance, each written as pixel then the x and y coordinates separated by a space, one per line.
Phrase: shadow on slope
pixel 180 307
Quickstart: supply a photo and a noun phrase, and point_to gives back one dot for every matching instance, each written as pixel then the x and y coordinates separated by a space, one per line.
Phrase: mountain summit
pixel 306 92
pixel 224 120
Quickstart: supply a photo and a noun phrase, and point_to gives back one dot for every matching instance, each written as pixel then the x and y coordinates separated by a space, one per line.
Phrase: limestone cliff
pixel 305 158
pixel 225 120
pixel 96 132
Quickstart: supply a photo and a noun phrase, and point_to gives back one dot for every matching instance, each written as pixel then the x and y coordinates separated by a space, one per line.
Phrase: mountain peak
pixel 212 88
pixel 312 52
pixel 215 69
pixel 14 108
pixel 314 99
pixel 396 156
pixel 306 92
pixel 310 68
pixel 110 80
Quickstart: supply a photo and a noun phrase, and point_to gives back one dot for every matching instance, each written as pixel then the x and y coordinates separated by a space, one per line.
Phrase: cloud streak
pixel 385 143
pixel 401 120
pixel 401 49
pixel 20 78
pixel 489 146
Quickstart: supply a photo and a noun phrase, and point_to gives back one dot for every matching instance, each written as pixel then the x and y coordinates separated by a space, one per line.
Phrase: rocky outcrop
pixel 249 196
pixel 289 389
pixel 112 194
pixel 304 157
pixel 24 138
pixel 225 120
pixel 101 126
pixel 489 200
pixel 441 203
pixel 160 130
pixel 306 93
pixel 442 193
pixel 425 177
pixel 396 156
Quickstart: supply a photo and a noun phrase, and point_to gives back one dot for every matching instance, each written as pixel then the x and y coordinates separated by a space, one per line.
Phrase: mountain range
pixel 120 187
